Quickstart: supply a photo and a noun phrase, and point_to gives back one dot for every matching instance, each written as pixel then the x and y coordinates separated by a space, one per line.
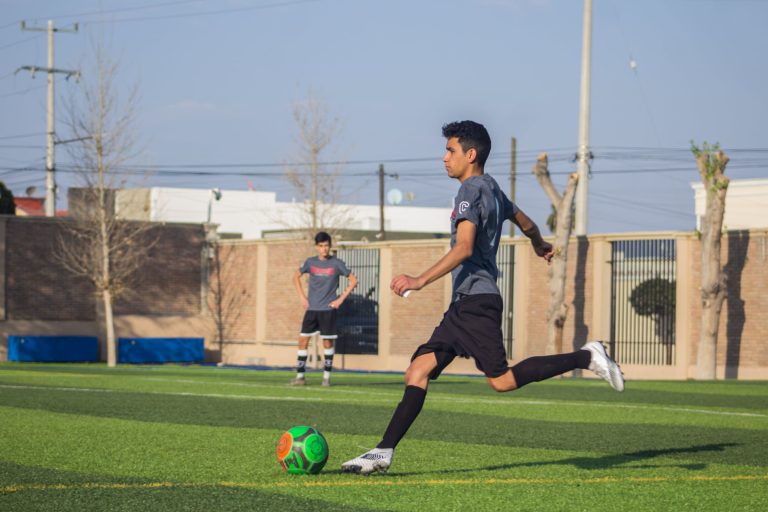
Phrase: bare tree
pixel 711 162
pixel 563 205
pixel 316 183
pixel 99 246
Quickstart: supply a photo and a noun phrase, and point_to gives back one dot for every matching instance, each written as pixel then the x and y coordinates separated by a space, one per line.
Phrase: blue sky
pixel 217 80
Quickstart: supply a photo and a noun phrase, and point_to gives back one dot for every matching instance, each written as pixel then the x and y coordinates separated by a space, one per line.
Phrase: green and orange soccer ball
pixel 302 451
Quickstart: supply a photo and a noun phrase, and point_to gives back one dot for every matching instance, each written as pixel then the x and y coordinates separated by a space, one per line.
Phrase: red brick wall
pixel 284 311
pixel 235 318
pixel 169 280
pixel 38 287
pixel 414 319
pixel 743 333
pixel 578 296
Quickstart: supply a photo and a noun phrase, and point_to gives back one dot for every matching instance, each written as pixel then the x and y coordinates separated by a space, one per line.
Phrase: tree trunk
pixel 219 298
pixel 713 288
pixel 109 328
pixel 558 310
pixel 713 280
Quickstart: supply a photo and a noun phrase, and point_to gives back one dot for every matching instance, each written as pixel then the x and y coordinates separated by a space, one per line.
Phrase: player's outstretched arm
pixel 531 230
pixel 465 241
pixel 300 289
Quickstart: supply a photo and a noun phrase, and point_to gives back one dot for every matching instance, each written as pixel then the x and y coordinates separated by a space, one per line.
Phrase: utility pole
pixel 583 154
pixel 382 232
pixel 513 181
pixel 50 179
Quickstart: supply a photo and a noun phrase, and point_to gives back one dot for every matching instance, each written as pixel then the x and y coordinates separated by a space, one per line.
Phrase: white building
pixel 252 213
pixel 746 204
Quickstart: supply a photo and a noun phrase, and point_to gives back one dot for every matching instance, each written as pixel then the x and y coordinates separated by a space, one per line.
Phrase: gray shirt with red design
pixel 323 280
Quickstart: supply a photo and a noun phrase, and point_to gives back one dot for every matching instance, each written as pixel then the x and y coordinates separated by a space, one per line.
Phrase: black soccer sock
pixel 539 368
pixel 328 363
pixel 404 416
pixel 301 363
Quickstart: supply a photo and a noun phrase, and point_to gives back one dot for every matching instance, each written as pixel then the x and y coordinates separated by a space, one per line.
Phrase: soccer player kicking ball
pixel 321 305
pixel 472 325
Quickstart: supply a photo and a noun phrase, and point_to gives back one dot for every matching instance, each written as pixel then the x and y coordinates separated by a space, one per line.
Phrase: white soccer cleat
pixel 603 366
pixel 376 460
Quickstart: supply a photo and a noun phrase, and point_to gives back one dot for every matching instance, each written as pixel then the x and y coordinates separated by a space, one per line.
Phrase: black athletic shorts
pixel 470 328
pixel 322 322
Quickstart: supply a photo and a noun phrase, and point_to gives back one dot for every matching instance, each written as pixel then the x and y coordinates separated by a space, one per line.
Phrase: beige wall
pixel 406 323
pixel 261 314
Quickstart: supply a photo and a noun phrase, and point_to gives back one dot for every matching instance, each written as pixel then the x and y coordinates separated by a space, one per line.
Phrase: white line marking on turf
pixel 439 398
pixel 176 393
pixel 486 401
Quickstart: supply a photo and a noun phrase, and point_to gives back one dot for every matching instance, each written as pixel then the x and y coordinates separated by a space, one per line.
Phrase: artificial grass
pixel 85 437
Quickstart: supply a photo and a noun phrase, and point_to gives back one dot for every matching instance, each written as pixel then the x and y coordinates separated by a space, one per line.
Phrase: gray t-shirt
pixel 323 280
pixel 481 202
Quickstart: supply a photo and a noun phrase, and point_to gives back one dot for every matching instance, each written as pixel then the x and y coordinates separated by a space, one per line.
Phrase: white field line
pixel 511 402
pixel 455 399
pixel 178 393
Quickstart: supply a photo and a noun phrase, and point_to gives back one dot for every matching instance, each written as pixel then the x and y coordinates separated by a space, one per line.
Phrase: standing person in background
pixel 320 303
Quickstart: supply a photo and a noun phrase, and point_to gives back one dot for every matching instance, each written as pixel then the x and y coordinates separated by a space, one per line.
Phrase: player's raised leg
pixel 416 381
pixel 535 369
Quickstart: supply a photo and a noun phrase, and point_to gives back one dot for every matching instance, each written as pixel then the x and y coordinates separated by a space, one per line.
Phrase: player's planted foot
pixel 603 366
pixel 326 383
pixel 298 382
pixel 376 460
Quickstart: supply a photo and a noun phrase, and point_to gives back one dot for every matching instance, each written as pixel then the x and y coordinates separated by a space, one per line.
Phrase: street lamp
pixel 215 196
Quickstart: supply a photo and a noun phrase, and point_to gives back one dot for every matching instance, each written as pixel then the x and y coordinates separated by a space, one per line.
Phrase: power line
pixel 25 91
pixel 20 41
pixel 22 136
pixel 204 13
pixel 124 9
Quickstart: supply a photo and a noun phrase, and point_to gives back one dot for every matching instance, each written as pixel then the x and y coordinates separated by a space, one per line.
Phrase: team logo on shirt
pixel 317 271
pixel 463 207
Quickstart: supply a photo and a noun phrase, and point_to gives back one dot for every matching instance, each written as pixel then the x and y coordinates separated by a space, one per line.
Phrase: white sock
pixel 328 355
pixel 302 354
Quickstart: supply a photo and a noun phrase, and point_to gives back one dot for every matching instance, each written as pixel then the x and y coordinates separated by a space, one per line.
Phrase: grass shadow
pixel 608 461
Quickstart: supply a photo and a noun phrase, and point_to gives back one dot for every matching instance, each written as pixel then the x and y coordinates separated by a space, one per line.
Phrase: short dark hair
pixel 321 237
pixel 470 135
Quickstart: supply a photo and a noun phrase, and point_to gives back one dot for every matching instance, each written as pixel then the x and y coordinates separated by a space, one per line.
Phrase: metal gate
pixel 643 285
pixel 505 261
pixel 358 319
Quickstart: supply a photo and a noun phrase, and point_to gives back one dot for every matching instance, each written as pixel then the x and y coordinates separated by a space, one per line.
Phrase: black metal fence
pixel 358 320
pixel 643 284
pixel 505 261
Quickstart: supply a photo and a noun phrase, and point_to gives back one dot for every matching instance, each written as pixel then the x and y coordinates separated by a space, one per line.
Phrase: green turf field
pixel 84 437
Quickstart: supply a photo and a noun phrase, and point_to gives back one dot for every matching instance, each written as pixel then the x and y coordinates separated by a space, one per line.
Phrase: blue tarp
pixel 53 349
pixel 160 350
